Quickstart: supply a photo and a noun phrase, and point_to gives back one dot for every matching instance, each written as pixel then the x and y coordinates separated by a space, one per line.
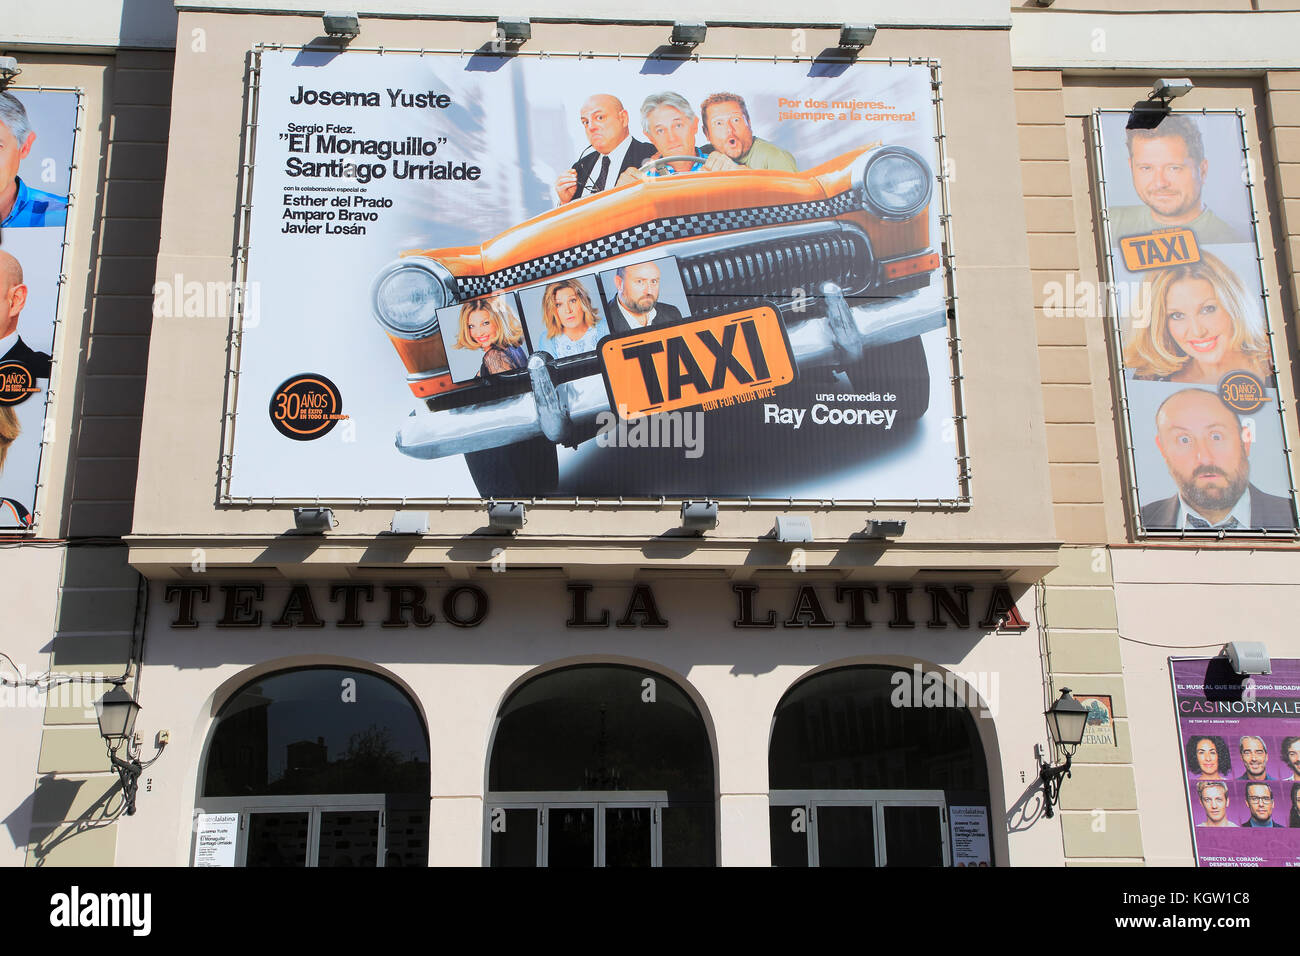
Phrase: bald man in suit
pixel 605 122
pixel 13 296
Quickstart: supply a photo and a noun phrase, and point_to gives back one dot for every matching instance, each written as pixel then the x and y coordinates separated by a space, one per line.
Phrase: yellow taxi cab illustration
pixel 842 253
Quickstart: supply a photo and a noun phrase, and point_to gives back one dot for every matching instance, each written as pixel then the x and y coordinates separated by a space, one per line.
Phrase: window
pixel 600 765
pixel 323 767
pixel 863 773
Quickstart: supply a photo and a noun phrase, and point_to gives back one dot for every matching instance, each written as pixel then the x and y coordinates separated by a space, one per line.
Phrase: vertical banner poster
pixel 1240 740
pixel 1194 343
pixel 482 276
pixel 37 130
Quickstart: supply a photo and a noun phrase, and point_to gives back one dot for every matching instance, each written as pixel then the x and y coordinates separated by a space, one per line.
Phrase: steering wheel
pixel 650 164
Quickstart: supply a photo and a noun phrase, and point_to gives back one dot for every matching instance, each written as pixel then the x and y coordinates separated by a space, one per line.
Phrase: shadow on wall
pixel 1027 810
pixel 100 617
pixel 148 23
pixel 52 800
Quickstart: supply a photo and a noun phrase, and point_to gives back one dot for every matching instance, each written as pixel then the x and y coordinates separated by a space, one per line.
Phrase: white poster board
pixel 215 835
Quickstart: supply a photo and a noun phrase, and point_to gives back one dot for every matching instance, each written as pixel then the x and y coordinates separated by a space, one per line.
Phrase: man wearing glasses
pixel 1259 797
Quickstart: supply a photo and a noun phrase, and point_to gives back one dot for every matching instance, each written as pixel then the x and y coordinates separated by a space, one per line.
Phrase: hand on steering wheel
pixel 653 163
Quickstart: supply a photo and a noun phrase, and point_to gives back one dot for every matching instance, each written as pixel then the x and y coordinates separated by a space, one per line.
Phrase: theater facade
pixel 595 448
pixel 606 683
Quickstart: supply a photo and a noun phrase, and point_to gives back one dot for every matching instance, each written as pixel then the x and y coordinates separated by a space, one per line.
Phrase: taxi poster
pixel 1193 342
pixel 546 277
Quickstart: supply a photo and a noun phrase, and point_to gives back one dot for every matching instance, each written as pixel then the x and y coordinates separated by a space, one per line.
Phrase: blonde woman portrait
pixel 490 326
pixel 1199 324
pixel 572 326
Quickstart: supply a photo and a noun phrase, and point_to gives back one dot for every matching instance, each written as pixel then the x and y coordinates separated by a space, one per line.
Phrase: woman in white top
pixel 572 326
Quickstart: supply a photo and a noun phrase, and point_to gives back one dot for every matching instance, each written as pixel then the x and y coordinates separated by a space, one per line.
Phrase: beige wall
pixel 76 797
pixel 28 591
pixel 177 488
pixel 1282 114
pixel 1106 35
pixel 1155 6
pixel 1100 820
pixel 981 13
pixel 71 608
pixel 90 24
pixel 1049 177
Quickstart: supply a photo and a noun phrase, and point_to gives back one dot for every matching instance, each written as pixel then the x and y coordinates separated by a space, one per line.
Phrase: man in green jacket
pixel 726 123
pixel 1169 171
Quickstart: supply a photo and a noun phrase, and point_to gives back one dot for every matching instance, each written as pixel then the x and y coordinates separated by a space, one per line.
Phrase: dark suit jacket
pixel 664 313
pixel 1266 511
pixel 587 168
pixel 13 514
pixel 38 363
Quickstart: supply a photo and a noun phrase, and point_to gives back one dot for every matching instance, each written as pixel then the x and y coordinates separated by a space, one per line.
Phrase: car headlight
pixel 896 183
pixel 407 294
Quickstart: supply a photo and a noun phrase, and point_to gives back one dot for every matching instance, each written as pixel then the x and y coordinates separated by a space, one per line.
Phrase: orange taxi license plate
pixel 711 362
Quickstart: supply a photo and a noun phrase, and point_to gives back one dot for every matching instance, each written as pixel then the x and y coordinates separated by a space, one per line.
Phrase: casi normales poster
pixel 1240 741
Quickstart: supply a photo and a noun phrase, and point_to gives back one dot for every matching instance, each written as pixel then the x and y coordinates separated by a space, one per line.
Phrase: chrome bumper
pixel 568 414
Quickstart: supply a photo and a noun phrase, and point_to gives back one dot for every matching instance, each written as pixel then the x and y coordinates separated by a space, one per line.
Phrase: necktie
pixel 1201 524
pixel 599 184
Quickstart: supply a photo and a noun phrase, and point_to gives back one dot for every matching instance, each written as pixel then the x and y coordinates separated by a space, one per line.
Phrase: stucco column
pixel 741 745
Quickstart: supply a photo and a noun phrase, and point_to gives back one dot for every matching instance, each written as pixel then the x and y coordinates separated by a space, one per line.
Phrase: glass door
pixel 348 838
pixel 862 828
pixel 277 838
pixel 846 834
pixel 914 834
pixel 345 830
pixel 630 836
pixel 514 836
pixel 788 825
pixel 570 837
pixel 563 830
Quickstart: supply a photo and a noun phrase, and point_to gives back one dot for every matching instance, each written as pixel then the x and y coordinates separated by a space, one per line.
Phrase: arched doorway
pixel 318 766
pixel 878 766
pixel 600 765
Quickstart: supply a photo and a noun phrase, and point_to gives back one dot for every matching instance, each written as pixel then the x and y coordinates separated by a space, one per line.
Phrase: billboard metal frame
pixel 248 165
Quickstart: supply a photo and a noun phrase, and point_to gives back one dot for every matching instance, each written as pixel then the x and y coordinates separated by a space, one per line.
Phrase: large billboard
pixel 592 277
pixel 37 133
pixel 1240 739
pixel 1193 342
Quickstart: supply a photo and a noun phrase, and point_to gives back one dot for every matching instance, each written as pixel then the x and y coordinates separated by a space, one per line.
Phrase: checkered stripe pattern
pixel 650 233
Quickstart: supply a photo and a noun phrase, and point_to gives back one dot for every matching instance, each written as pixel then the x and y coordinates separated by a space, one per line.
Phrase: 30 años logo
pixel 1243 390
pixel 306 407
pixel 17 383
